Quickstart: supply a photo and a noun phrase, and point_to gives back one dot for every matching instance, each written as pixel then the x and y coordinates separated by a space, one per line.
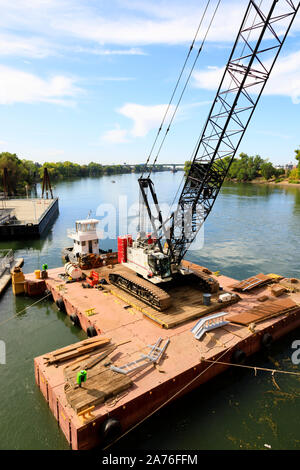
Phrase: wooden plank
pixel 93 362
pixel 77 361
pixel 75 353
pixel 71 347
pixel 189 311
pixel 293 285
pixel 252 282
pixel 256 315
pixel 186 305
pixel 97 388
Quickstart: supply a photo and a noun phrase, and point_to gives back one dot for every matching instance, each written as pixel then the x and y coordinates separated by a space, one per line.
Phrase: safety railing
pixel 6 260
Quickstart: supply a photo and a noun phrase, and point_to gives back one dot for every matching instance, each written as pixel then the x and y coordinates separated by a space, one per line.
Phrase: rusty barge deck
pixel 84 414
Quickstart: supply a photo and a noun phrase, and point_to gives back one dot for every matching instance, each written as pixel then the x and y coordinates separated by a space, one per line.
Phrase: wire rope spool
pixel 73 271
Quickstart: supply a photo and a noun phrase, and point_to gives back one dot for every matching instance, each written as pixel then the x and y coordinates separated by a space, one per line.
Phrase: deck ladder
pixel 154 355
pixel 209 323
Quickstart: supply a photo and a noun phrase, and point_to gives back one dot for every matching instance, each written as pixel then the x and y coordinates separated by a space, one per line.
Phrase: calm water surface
pixel 253 228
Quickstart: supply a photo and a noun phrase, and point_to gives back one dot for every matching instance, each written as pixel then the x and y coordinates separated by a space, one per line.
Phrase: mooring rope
pixel 212 362
pixel 166 402
pixel 255 368
pixel 26 308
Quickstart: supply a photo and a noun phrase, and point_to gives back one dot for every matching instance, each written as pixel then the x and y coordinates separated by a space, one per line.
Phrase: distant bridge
pixel 172 166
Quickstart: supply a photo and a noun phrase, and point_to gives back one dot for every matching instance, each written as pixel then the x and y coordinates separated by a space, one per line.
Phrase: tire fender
pixel 91 331
pixel 110 430
pixel 74 319
pixel 61 305
pixel 267 340
pixel 238 357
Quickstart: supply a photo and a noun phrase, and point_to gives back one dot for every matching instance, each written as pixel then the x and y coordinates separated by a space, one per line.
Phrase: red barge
pixel 145 348
pixel 109 403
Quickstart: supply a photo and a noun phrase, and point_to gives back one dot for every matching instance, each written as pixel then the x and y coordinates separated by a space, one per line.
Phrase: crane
pixel 157 257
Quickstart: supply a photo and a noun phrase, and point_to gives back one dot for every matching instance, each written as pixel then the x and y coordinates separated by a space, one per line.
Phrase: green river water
pixel 252 229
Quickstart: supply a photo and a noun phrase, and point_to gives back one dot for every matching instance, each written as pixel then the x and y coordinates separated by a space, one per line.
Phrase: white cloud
pixel 17 86
pixel 108 52
pixel 209 78
pixel 284 80
pixel 35 47
pixel 144 118
pixel 115 136
pixel 122 23
pixel 118 22
pixel 93 80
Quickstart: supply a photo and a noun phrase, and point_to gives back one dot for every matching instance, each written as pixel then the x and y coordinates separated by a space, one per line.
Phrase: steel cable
pixel 185 85
pixel 177 83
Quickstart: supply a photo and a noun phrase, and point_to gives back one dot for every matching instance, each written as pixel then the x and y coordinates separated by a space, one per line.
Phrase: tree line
pixel 248 168
pixel 25 173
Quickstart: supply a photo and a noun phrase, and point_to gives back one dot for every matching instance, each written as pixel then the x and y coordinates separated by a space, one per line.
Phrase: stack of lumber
pixel 101 384
pixel 89 361
pixel 293 285
pixel 277 291
pixel 76 350
pixel 252 282
pixel 268 309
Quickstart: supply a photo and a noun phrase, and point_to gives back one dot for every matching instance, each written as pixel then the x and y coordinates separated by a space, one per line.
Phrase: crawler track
pixel 142 289
pixel 208 283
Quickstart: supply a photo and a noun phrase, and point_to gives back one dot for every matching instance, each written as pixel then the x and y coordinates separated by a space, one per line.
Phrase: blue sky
pixel 85 80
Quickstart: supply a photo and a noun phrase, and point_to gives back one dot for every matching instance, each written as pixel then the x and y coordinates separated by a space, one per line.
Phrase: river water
pixel 252 229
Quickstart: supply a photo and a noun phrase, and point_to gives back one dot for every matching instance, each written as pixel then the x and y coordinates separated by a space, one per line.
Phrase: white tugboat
pixel 85 251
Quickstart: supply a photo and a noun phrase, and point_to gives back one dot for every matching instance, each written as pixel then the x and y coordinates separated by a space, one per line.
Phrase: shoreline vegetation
pixel 254 169
pixel 23 175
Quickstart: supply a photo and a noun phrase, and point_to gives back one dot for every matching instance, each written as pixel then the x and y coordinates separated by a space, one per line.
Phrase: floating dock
pixel 110 402
pixel 7 264
pixel 26 218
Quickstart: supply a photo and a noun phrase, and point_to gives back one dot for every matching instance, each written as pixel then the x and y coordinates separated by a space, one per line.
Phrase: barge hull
pixel 37 224
pixel 186 364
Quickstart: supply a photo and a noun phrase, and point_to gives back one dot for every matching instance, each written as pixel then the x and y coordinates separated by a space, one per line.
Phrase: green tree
pixel 297 152
pixel 267 170
pixel 20 173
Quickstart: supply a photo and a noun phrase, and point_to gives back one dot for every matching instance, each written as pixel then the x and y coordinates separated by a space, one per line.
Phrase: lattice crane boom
pixel 261 36
pixel 260 39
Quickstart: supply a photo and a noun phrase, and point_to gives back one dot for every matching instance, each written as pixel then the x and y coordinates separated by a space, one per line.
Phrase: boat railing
pixel 71 232
pixel 6 259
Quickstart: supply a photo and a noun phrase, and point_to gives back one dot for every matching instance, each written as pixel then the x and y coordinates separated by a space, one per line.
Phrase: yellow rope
pixel 166 402
pixel 255 368
pixel 26 308
pixel 212 362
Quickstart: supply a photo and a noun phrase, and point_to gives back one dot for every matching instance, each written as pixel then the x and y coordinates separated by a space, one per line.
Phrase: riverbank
pixel 270 182
pixel 240 241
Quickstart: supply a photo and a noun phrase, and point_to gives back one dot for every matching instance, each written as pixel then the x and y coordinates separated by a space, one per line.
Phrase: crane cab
pixel 159 264
pixel 145 258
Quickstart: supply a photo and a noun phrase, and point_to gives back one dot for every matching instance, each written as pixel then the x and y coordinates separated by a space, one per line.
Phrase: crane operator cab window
pixel 159 264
